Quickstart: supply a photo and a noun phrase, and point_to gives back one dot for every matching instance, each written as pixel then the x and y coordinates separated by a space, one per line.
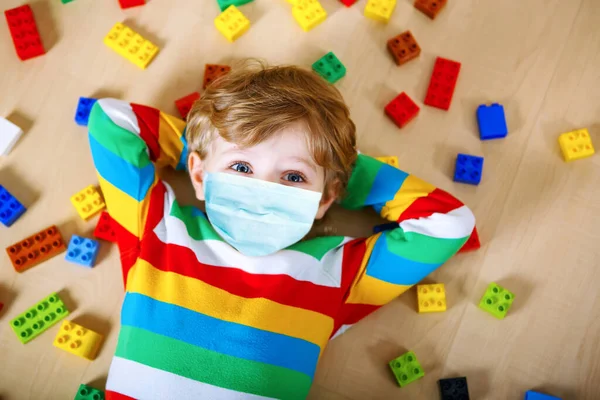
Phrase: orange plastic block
pixel 403 48
pixel 78 340
pixel 35 249
pixel 214 71
pixel 432 298
pixel 88 202
pixel 431 8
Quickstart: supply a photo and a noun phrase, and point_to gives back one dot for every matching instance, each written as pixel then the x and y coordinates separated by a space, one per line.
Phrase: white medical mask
pixel 257 217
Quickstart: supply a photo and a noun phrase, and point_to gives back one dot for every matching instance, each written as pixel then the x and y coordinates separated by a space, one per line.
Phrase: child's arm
pixel 432 227
pixel 129 142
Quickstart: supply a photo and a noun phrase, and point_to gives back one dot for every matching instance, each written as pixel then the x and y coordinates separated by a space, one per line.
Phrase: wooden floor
pixel 538 217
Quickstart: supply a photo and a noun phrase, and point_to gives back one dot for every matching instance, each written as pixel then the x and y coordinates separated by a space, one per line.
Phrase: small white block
pixel 9 135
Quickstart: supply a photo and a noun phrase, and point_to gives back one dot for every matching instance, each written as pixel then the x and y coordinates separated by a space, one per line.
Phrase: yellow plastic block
pixel 576 144
pixel 390 160
pixel 88 202
pixel 380 10
pixel 131 45
pixel 431 298
pixel 232 23
pixel 78 340
pixel 309 13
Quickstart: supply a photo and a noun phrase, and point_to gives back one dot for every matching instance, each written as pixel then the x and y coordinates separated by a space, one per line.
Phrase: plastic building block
pixel 65 1
pixel 212 72
pixel 184 104
pixel 309 13
pixel 385 227
pixel 431 8
pixel 442 83
pixel 35 249
pixel 496 300
pixel 88 202
pixel 348 3
pixel 468 169
pixel 402 110
pixel 78 340
pixel 389 160
pixel 330 68
pixel 82 251
pixel 104 229
pixel 472 243
pixel 454 389
pixel 380 10
pixel 9 136
pixel 30 324
pixel 403 48
pixel 131 45
pixel 491 121
pixel 431 298
pixel 10 208
pixel 406 369
pixel 531 395
pixel 1 306
pixel 576 144
pixel 224 4
pixel 232 23
pixel 84 107
pixel 24 32
pixel 86 392
pixel 131 3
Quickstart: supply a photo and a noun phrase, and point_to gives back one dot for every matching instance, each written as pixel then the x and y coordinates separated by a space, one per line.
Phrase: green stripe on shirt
pixel 361 181
pixel 422 248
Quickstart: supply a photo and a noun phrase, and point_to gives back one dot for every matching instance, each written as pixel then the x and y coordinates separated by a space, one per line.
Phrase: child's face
pixel 284 158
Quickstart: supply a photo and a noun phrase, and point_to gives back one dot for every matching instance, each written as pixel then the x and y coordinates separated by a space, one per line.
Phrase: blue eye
pixel 241 167
pixel 294 177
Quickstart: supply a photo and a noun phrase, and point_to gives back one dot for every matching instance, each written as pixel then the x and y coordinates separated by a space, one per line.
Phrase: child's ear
pixel 196 170
pixel 329 196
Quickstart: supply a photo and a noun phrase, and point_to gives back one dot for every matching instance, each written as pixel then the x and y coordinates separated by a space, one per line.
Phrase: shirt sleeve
pixel 129 142
pixel 432 226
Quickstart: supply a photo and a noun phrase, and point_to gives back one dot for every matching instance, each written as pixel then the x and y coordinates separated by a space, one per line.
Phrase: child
pixel 232 304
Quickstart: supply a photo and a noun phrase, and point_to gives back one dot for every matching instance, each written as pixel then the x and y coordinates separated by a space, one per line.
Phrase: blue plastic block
pixel 492 122
pixel 82 115
pixel 468 169
pixel 385 227
pixel 10 208
pixel 82 251
pixel 531 395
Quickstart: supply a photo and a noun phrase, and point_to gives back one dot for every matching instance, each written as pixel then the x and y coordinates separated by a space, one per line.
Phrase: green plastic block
pixel 496 300
pixel 223 4
pixel 86 392
pixel 330 68
pixel 39 318
pixel 406 369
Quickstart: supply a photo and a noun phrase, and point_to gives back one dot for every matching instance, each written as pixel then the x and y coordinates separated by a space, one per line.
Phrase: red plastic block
pixel 24 32
pixel 472 243
pixel 184 104
pixel 212 72
pixel 431 8
pixel 131 3
pixel 1 305
pixel 403 48
pixel 442 83
pixel 348 3
pixel 35 249
pixel 402 109
pixel 104 229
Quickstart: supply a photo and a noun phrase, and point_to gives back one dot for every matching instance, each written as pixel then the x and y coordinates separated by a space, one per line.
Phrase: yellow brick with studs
pixel 389 160
pixel 576 144
pixel 380 10
pixel 131 45
pixel 232 23
pixel 88 202
pixel 431 298
pixel 309 13
pixel 78 340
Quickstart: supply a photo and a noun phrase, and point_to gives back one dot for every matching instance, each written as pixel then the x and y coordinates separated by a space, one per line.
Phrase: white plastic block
pixel 9 135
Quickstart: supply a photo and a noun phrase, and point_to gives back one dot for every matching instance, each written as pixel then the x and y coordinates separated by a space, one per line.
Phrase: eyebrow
pixel 306 162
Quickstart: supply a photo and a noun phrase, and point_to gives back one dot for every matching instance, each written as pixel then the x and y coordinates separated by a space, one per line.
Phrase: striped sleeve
pixel 128 143
pixel 432 227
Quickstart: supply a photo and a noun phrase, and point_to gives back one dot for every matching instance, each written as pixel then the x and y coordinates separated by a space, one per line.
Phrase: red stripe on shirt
pixel 110 395
pixel 148 120
pixel 437 201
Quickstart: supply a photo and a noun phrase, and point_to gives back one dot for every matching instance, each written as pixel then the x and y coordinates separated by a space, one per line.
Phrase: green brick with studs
pixel 496 300
pixel 39 318
pixel 86 392
pixel 406 369
pixel 330 68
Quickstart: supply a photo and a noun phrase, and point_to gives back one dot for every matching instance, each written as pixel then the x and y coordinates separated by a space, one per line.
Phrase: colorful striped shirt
pixel 202 321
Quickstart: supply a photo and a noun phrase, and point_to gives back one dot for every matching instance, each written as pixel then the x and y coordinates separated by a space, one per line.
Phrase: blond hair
pixel 255 101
